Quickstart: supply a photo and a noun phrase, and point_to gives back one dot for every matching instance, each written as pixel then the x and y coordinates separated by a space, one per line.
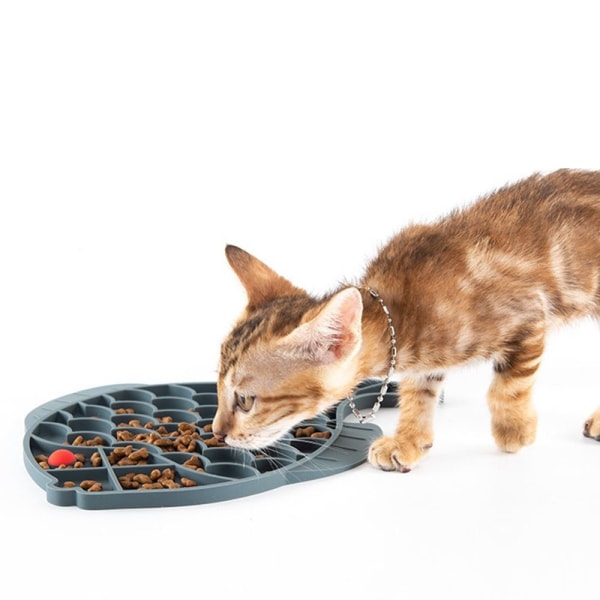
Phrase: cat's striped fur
pixel 486 282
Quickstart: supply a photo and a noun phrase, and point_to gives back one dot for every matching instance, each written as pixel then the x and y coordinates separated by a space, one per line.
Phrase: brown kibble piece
pixel 193 462
pixel 151 486
pixel 142 478
pixel 140 454
pixel 305 431
pixel 163 442
pixel 90 485
pixel 321 434
pixel 128 483
pixel 185 482
pixel 69 484
pixel 214 442
pixel 169 484
pixel 95 441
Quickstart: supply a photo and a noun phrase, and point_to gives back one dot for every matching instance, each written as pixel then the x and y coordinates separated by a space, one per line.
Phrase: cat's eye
pixel 244 401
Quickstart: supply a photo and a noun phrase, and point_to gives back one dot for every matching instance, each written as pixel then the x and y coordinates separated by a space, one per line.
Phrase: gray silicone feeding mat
pixel 142 445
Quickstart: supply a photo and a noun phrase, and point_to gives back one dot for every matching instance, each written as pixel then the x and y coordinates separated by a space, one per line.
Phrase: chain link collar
pixel 363 418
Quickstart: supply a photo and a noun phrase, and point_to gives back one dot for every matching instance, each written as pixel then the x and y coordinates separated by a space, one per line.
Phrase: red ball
pixel 61 457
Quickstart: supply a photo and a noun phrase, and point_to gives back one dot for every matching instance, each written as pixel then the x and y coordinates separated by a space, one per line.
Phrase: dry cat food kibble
pixel 89 485
pixel 126 455
pixel 155 480
pixel 194 462
pixel 134 423
pixel 310 431
pixel 181 440
pixel 81 441
pixel 214 441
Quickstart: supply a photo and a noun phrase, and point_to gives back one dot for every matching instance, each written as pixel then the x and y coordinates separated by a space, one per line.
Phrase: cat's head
pixel 288 358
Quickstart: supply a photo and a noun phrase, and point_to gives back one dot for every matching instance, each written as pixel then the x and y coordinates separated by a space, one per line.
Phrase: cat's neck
pixel 378 321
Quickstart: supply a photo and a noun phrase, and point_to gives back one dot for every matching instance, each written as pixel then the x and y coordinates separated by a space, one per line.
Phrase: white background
pixel 138 138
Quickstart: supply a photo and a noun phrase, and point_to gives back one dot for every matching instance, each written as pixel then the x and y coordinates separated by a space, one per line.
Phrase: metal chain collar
pixel 362 418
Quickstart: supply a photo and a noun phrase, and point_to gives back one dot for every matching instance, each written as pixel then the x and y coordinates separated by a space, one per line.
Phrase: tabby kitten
pixel 486 282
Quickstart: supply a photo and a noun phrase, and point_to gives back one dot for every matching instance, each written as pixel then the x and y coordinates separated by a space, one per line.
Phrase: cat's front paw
pixel 591 427
pixel 396 454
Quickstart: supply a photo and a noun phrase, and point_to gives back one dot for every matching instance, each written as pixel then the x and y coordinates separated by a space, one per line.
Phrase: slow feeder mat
pixel 199 473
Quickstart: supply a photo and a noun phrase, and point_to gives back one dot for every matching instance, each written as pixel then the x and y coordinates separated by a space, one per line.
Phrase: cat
pixel 485 282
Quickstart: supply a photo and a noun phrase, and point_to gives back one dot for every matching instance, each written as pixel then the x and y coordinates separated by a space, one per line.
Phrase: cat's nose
pixel 220 425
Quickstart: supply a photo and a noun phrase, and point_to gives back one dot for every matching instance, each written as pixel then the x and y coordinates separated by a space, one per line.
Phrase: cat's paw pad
pixel 512 436
pixel 591 427
pixel 394 454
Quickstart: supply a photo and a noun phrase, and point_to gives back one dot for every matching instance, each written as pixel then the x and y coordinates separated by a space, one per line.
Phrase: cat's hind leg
pixel 514 420
pixel 591 427
pixel 414 434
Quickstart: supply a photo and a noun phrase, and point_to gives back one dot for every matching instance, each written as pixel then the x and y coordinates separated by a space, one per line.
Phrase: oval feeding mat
pixel 132 446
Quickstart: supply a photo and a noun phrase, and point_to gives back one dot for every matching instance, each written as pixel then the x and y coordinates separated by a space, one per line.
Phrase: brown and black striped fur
pixel 485 282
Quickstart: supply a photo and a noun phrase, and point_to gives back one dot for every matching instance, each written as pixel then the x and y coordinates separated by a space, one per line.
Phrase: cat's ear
pixel 261 282
pixel 335 332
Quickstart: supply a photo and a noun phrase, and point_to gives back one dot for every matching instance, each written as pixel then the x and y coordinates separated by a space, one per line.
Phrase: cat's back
pixel 530 211
pixel 540 218
pixel 560 198
pixel 525 220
